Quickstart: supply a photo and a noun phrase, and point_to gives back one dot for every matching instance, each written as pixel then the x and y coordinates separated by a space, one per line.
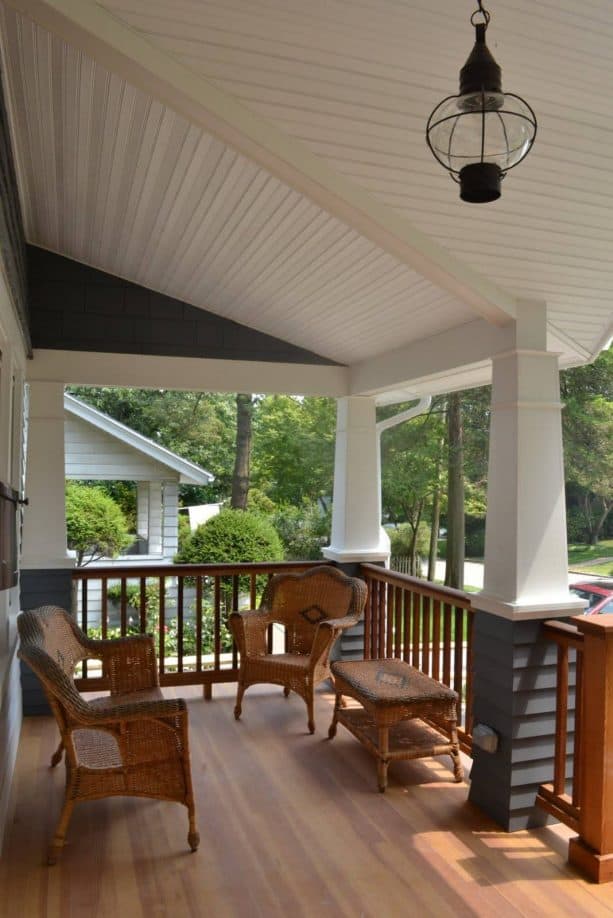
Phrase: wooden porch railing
pixel 184 606
pixel 554 797
pixel 589 807
pixel 427 625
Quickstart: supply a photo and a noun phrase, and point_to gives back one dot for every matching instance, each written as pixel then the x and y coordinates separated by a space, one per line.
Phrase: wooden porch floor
pixel 290 824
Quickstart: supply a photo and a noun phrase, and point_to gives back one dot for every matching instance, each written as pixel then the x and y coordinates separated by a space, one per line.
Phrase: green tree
pixel 95 526
pixel 588 443
pixel 293 448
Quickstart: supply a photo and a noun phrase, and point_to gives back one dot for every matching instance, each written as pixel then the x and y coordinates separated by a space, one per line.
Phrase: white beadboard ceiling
pixel 113 174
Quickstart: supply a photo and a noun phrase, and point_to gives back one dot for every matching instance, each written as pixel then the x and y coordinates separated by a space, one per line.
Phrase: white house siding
pixel 12 375
pixel 94 454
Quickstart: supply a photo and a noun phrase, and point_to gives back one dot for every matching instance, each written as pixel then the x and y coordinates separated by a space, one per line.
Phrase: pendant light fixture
pixel 482 132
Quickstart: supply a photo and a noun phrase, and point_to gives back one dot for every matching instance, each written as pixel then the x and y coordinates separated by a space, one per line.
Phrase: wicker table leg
pixel 383 758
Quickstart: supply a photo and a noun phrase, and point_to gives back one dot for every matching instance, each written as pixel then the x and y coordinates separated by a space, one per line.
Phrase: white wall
pixel 12 375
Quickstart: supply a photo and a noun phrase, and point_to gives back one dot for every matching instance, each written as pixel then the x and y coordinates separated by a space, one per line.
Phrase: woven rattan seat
pixel 131 742
pixel 315 607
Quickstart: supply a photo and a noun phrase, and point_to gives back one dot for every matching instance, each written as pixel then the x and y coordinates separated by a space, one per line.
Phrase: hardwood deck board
pixel 290 824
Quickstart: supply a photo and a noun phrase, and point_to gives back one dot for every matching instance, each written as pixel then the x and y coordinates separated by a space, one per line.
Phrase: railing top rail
pixel 562 633
pixel 425 587
pixel 120 571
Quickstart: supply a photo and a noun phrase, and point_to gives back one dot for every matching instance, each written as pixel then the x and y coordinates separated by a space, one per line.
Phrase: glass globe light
pixel 482 132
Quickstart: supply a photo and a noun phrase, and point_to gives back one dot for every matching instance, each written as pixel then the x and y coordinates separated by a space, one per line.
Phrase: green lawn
pixel 592 559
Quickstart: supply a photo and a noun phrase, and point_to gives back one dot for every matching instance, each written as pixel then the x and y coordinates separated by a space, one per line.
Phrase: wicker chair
pixel 131 742
pixel 315 607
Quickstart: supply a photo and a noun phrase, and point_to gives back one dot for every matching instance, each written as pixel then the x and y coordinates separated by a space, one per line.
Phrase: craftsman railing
pixel 588 808
pixel 185 607
pixel 427 625
pixel 560 798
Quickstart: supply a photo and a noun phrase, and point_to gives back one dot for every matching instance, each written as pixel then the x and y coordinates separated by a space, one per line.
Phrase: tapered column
pixel 357 534
pixel 526 577
pixel 45 577
pixel 44 526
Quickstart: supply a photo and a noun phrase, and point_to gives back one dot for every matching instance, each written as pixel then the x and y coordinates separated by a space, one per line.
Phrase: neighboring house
pixel 98 448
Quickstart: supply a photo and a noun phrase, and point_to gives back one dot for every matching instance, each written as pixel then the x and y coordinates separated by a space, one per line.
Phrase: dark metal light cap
pixel 480 73
pixel 480 183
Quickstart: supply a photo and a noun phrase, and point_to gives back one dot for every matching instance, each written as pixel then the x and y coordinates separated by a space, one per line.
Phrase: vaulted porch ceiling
pixel 266 162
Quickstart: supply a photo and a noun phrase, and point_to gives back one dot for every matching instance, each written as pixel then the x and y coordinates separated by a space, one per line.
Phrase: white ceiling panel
pixel 113 178
pixel 354 80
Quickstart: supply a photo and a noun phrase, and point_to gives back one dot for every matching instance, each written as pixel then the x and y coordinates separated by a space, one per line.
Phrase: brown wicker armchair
pixel 315 607
pixel 131 742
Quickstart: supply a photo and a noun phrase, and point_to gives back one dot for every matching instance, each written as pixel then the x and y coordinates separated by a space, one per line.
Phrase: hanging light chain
pixel 480 12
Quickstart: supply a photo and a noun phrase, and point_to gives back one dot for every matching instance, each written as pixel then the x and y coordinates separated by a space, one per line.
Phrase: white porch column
pixel 44 525
pixel 526 579
pixel 357 534
pixel 526 559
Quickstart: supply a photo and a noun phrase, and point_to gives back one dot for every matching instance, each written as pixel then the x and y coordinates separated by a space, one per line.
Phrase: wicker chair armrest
pixel 140 710
pixel 129 662
pixel 249 630
pixel 341 624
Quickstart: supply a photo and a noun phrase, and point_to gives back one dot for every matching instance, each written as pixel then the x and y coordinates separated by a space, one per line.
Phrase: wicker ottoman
pixel 400 709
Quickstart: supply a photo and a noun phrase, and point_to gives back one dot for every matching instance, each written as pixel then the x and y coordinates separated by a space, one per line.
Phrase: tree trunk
pixel 436 518
pixel 240 476
pixel 454 569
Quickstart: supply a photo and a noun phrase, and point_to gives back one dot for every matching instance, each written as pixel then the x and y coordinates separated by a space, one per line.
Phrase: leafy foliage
pixel 96 527
pixel 233 536
pixel 304 530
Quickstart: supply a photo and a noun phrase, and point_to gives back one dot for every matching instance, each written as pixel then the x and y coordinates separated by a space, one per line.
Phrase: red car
pixel 599 595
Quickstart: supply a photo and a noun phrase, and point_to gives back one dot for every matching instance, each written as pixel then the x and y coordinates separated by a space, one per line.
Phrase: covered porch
pixel 230 200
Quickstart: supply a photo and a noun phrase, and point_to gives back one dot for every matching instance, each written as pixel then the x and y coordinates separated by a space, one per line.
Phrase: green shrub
pixel 304 530
pixel 232 537
pixel 95 526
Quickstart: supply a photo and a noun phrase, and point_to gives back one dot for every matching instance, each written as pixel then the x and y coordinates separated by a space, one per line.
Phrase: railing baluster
pixel 217 626
pixel 436 639
pixel 162 625
pixel 123 606
pixel 425 636
pixel 389 645
pixel 104 611
pixel 577 770
pixel 406 626
pixel 416 639
pixel 84 622
pixel 199 623
pixel 143 605
pixel 559 767
pixel 381 621
pixel 446 644
pixel 398 598
pixel 180 625
pixel 368 613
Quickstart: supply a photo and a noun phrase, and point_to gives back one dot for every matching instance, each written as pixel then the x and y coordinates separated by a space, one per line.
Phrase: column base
pixel 597 867
pixel 342 556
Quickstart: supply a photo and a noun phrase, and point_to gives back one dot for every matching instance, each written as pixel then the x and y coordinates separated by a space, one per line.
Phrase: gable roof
pixel 189 472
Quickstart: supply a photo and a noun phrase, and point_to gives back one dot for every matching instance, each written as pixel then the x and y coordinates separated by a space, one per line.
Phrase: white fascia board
pixel 127 53
pixel 196 374
pixel 189 472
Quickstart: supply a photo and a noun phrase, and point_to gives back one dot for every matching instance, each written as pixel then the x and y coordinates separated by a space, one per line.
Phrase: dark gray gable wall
pixel 75 307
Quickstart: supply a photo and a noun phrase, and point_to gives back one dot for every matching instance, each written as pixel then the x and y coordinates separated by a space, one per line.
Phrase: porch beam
pixel 127 53
pixel 196 374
